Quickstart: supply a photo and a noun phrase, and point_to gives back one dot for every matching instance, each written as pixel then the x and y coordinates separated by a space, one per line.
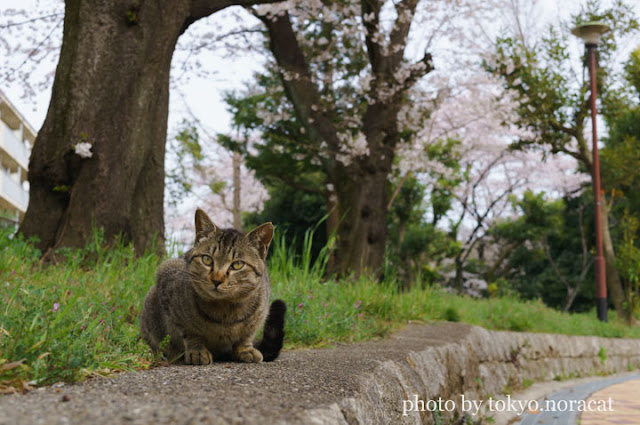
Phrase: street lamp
pixel 590 33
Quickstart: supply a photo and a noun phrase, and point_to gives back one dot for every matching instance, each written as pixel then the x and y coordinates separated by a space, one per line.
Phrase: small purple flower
pixel 55 308
pixel 326 304
pixel 310 297
pixel 13 272
pixel 300 305
pixel 90 304
pixel 113 309
pixel 54 287
pixel 83 327
pixel 357 304
pixel 326 315
pixel 101 320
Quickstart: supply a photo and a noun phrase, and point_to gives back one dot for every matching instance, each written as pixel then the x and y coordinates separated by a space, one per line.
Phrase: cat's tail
pixel 273 334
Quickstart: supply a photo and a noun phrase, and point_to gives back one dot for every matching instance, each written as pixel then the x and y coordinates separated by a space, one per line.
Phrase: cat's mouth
pixel 217 289
pixel 209 290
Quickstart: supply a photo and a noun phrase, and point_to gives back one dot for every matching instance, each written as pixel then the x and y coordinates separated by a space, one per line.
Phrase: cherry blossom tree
pixel 352 75
pixel 478 115
pixel 553 99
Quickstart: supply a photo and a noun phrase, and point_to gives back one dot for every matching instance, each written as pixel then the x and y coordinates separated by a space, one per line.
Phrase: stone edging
pixel 483 364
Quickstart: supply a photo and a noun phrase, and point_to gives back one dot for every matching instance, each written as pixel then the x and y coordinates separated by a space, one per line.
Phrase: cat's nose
pixel 216 278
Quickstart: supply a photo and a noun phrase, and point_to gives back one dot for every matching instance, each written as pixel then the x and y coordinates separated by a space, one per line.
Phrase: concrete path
pixel 626 404
pixel 604 401
pixel 364 383
pixel 223 393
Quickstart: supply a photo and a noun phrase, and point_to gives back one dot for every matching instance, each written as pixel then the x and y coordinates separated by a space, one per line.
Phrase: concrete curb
pixel 364 383
pixel 482 366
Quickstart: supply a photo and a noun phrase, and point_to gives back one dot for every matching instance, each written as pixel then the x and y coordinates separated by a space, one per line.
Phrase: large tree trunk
pixel 363 227
pixel 362 193
pixel 111 90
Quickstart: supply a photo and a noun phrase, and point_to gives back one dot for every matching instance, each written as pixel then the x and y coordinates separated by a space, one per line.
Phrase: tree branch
pixel 204 8
pixel 44 17
pixel 395 192
pixel 545 246
pixel 418 71
pixel 503 255
pixel 371 19
pixel 296 79
pixel 400 31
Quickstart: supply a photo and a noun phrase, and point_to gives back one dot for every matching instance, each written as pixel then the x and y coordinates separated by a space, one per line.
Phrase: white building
pixel 16 139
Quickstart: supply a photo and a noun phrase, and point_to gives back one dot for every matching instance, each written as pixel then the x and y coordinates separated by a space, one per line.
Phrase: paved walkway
pixel 607 401
pixel 626 404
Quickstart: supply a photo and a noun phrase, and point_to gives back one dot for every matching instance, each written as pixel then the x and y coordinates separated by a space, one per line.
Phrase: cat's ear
pixel 203 224
pixel 261 237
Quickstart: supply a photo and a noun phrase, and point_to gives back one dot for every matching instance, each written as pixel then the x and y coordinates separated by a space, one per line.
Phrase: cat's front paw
pixel 248 355
pixel 198 356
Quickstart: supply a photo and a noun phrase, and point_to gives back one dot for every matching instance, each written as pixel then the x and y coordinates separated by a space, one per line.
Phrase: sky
pixel 202 95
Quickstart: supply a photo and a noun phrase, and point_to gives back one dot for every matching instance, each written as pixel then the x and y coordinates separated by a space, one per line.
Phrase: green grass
pixel 80 317
pixel 71 320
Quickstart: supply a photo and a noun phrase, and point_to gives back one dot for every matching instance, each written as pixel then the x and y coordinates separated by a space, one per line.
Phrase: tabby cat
pixel 209 303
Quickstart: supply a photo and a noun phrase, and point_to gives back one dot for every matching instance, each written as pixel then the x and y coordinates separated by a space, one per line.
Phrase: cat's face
pixel 227 264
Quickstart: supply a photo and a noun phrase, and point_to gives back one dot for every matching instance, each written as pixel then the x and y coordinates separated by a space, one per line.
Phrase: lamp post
pixel 590 33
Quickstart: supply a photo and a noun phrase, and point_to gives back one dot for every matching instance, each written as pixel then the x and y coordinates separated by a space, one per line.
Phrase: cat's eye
pixel 237 265
pixel 206 260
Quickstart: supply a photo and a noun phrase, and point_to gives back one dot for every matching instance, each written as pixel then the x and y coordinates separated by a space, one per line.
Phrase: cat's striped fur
pixel 213 299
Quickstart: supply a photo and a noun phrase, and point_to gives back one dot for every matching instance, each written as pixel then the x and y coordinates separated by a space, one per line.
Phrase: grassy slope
pixel 80 317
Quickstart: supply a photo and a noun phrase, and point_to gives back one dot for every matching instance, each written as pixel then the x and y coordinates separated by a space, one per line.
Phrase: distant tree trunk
pixel 503 255
pixel 111 90
pixel 458 279
pixel 333 219
pixel 237 211
pixel 572 293
pixel 614 284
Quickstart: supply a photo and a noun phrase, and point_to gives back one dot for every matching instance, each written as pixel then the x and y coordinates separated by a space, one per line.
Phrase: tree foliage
pixel 550 255
pixel 554 98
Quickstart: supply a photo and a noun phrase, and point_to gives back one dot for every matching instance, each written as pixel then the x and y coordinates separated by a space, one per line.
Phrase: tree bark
pixel 362 204
pixel 237 211
pixel 111 89
pixel 333 220
pixel 614 284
